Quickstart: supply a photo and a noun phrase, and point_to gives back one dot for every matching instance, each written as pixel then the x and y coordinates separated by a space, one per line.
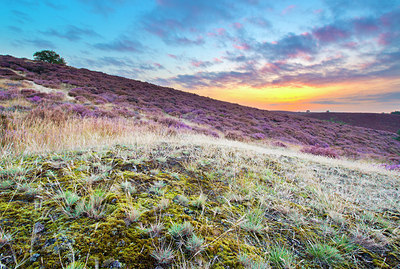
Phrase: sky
pixel 298 55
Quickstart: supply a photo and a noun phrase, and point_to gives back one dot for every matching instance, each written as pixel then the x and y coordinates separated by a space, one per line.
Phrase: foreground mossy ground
pixel 185 207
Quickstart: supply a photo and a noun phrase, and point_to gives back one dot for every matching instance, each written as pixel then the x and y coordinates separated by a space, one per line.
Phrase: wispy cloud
pixel 121 44
pixel 71 33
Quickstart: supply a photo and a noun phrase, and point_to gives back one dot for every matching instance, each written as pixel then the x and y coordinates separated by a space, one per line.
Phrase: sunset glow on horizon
pixel 289 55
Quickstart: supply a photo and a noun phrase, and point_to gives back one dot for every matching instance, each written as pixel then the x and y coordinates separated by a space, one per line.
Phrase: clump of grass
pixel 70 205
pixel 133 214
pixel 155 229
pixel 4 238
pixel 281 257
pixel 162 204
pixel 200 201
pixel 182 200
pixel 249 263
pixel 157 188
pixel 128 188
pixel 163 255
pixel 253 222
pixel 76 265
pixel 187 229
pixel 194 244
pixel 6 184
pixel 176 230
pixel 325 254
pixel 94 207
pixel 343 243
pixel 29 190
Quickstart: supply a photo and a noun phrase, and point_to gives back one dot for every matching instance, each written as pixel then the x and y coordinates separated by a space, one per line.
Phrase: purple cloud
pixel 330 33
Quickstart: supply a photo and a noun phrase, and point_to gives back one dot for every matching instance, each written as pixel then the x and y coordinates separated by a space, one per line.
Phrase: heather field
pixel 384 122
pixel 54 89
pixel 98 171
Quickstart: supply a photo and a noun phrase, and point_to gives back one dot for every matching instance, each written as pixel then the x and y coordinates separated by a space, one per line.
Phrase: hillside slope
pixel 190 201
pixel 94 94
pixel 384 122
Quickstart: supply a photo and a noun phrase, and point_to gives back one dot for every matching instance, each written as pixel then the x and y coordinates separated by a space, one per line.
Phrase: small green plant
pixel 281 257
pixel 163 255
pixel 325 254
pixel 162 204
pixel 249 263
pixel 182 200
pixel 343 243
pixel 200 202
pixel 127 187
pixel 4 238
pixel 133 214
pixel 253 221
pixel 157 188
pixel 94 207
pixel 187 229
pixel 194 244
pixel 6 184
pixel 76 265
pixel 155 229
pixel 176 230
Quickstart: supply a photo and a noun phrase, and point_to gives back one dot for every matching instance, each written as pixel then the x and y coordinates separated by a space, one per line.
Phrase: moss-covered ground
pixel 185 206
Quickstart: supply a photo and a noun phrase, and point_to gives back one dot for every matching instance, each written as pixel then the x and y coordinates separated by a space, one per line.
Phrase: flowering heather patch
pixel 385 122
pixel 327 152
pixel 100 95
pixel 392 166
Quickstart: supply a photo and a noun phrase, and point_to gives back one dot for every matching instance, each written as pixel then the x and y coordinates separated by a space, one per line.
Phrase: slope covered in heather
pixel 384 122
pixel 93 94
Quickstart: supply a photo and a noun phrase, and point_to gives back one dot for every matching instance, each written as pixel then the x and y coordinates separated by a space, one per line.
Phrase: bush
pixel 49 56
pixel 328 152
pixel 398 138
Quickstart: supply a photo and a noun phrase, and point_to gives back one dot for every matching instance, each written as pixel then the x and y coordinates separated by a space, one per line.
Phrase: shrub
pixel 398 133
pixel 328 152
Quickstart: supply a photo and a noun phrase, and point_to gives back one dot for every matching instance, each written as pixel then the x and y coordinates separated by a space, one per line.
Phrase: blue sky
pixel 279 55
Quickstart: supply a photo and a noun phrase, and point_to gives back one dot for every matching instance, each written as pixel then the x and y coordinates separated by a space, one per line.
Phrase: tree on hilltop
pixel 49 56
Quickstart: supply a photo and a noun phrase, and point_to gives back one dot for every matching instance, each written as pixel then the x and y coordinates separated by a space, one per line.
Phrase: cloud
pixel 21 17
pixel 103 7
pixel 290 46
pixel 179 22
pixel 121 44
pixel 388 97
pixel 259 21
pixel 38 43
pixel 202 64
pixel 288 9
pixel 330 33
pixel 72 33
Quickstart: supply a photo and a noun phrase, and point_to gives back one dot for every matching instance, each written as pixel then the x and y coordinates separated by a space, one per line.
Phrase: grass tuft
pixel 325 254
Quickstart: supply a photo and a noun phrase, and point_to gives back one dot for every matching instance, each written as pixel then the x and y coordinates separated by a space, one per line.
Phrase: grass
pixel 280 257
pixel 325 254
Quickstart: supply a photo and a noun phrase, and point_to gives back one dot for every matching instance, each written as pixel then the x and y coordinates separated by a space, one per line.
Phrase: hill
pixel 384 122
pixel 98 171
pixel 95 94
